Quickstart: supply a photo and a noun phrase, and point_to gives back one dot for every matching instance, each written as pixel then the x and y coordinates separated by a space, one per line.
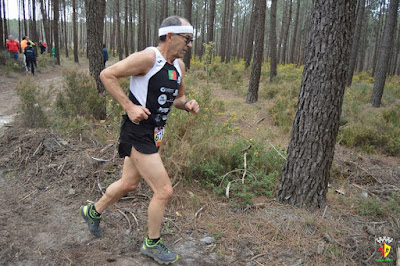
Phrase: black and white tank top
pixel 157 89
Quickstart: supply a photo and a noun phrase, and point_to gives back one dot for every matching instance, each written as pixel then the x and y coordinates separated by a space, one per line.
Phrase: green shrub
pixel 80 97
pixel 32 105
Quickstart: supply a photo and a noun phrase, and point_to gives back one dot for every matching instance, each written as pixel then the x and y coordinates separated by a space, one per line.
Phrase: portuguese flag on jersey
pixel 172 75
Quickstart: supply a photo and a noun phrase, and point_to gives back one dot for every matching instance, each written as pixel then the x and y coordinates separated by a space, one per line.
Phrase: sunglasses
pixel 187 38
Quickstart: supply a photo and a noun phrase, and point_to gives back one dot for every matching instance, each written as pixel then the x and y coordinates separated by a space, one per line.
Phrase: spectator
pixel 105 55
pixel 30 56
pixel 12 47
pixel 43 47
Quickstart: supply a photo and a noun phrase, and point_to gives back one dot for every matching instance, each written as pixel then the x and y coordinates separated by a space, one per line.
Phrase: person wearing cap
pixel 156 84
pixel 12 46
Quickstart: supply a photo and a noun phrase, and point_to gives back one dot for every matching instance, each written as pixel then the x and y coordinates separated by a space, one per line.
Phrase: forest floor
pixel 44 179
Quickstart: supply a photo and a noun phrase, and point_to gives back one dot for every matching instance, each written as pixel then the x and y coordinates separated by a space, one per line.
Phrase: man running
pixel 156 84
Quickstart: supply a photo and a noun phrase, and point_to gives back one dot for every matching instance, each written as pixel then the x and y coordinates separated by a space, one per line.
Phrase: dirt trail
pixel 40 223
pixel 44 178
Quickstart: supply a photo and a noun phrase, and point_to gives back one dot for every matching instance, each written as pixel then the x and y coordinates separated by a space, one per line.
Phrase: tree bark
pixel 385 51
pixel 286 34
pixel 356 42
pixel 75 26
pixel 272 41
pixel 95 25
pixel 210 26
pixel 2 39
pixel 296 25
pixel 119 39
pixel 188 16
pixel 126 30
pixel 55 31
pixel 304 180
pixel 5 21
pixel 65 29
pixel 378 38
pixel 250 37
pixel 252 94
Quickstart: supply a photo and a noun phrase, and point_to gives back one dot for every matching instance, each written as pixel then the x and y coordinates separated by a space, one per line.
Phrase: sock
pixel 152 242
pixel 92 212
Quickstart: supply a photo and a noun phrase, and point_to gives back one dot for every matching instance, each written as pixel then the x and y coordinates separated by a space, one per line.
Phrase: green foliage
pixel 80 97
pixel 32 105
pixel 376 207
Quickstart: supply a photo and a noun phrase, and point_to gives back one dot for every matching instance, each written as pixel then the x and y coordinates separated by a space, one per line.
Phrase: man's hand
pixel 192 106
pixel 137 113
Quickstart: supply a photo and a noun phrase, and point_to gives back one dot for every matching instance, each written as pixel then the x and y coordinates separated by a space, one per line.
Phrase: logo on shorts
pixel 172 75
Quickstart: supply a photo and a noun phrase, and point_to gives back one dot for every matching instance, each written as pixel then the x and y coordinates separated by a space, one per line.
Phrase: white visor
pixel 175 29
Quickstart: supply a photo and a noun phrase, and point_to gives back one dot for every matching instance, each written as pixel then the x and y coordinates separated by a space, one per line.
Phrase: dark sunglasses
pixel 187 38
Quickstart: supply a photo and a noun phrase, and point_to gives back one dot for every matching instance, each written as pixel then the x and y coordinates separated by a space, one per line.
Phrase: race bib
pixel 158 135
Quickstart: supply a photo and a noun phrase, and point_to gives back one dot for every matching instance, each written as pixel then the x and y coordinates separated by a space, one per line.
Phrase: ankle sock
pixel 152 242
pixel 93 213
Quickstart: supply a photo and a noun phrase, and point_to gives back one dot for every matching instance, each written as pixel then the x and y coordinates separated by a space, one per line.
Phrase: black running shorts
pixel 140 136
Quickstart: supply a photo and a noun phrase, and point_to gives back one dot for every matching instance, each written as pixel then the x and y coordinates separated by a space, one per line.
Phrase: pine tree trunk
pixel 272 41
pixel 378 39
pixel 131 26
pixel 5 20
pixel 384 54
pixel 364 42
pixel 210 26
pixel 356 42
pixel 293 44
pixel 65 29
pixel 252 94
pixel 75 26
pixel 282 31
pixel 286 34
pixel 55 31
pixel 2 39
pixel 126 46
pixel 304 180
pixel 95 26
pixel 250 37
pixel 188 16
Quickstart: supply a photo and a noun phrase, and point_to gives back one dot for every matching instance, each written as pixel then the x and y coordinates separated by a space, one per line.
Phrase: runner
pixel 157 83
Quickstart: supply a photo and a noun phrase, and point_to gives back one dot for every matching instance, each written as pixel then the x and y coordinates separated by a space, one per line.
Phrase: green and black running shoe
pixel 159 252
pixel 92 219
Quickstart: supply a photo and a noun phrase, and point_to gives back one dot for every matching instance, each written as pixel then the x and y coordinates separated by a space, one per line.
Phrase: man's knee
pixel 165 193
pixel 128 186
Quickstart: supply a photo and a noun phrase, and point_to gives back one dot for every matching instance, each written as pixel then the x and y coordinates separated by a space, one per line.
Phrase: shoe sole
pixel 158 260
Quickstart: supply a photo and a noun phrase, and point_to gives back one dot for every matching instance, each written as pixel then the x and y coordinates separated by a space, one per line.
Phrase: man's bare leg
pixel 151 168
pixel 129 181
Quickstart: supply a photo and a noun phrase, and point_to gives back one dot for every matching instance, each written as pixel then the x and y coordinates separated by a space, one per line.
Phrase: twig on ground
pixel 245 166
pixel 197 213
pixel 176 241
pixel 326 207
pixel 37 149
pixel 126 217
pixel 276 149
pixel 259 121
pixel 99 186
pixel 366 171
pixel 106 147
pixel 136 220
pixel 259 255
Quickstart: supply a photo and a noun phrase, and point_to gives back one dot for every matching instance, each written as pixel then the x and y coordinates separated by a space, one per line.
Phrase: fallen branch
pixel 366 171
pixel 126 217
pixel 245 166
pixel 99 186
pixel 197 213
pixel 276 149
pixel 136 220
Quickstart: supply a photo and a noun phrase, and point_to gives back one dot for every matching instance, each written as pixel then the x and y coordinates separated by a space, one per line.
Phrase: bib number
pixel 158 135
